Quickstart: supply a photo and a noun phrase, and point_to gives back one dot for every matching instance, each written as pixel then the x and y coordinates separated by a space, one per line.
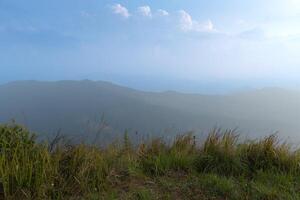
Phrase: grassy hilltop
pixel 221 167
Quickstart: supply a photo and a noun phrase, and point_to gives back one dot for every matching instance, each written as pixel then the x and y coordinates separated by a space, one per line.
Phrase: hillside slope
pixel 79 107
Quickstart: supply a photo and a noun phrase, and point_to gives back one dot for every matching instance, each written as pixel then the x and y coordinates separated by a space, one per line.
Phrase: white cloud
pixel 118 9
pixel 207 26
pixel 161 12
pixel 188 24
pixel 145 11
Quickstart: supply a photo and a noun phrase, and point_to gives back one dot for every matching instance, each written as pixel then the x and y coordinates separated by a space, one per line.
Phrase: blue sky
pixel 145 44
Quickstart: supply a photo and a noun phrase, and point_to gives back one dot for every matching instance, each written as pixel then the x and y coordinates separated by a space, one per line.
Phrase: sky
pixel 153 45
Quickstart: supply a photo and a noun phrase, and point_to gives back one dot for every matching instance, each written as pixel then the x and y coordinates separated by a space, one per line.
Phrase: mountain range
pixel 84 108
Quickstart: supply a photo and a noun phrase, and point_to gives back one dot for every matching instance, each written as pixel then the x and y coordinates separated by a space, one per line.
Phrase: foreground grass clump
pixel 220 167
pixel 269 154
pixel 157 158
pixel 219 154
pixel 24 164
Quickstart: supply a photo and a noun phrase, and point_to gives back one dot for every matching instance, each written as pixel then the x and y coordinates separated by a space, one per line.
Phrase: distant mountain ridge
pixel 81 107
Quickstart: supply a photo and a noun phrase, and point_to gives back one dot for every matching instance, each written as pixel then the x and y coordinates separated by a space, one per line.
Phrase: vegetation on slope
pixel 220 167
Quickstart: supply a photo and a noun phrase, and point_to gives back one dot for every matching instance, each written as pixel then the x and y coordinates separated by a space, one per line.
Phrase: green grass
pixel 220 167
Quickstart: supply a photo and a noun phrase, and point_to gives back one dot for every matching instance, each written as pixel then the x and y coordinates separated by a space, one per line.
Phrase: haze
pixel 195 46
pixel 149 66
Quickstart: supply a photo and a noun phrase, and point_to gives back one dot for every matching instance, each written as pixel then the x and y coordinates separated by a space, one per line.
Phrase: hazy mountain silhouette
pixel 79 107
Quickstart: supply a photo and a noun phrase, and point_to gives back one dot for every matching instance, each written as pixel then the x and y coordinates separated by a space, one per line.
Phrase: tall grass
pixel 270 154
pixel 57 170
pixel 157 158
pixel 220 154
pixel 24 164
